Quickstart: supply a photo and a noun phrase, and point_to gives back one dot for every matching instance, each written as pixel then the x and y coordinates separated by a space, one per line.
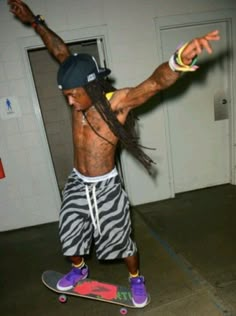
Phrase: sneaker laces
pixel 138 286
pixel 71 275
pixel 139 291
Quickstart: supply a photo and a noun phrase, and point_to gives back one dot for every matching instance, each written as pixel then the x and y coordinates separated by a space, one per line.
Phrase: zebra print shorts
pixel 95 208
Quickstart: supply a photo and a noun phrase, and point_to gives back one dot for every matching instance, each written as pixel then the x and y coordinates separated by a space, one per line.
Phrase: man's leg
pixel 77 261
pixel 69 240
pixel 132 264
pixel 137 282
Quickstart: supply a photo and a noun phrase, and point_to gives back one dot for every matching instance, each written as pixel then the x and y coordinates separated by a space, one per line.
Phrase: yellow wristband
pixel 180 65
pixel 179 53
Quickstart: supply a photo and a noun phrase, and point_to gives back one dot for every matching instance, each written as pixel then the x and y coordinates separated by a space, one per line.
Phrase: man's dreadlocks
pixel 126 133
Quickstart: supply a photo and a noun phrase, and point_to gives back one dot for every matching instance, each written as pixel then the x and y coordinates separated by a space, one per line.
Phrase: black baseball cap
pixel 78 70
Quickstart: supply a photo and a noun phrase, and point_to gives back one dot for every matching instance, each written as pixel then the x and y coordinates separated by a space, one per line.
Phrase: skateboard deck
pixel 91 289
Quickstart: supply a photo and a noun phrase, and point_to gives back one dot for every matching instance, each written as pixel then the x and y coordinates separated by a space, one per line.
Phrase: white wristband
pixel 172 64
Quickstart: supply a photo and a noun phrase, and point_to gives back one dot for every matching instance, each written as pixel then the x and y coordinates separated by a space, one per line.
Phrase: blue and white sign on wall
pixel 9 108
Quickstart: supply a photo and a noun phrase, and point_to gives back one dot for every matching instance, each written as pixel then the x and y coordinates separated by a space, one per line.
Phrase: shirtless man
pixel 95 206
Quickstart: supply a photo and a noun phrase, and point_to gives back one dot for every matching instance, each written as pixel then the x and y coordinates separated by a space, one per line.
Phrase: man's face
pixel 78 98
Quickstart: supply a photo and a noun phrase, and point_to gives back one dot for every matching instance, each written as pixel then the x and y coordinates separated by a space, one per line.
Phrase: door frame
pixel 170 22
pixel 34 42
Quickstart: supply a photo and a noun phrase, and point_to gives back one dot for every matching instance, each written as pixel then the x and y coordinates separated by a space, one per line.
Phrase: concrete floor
pixel 188 257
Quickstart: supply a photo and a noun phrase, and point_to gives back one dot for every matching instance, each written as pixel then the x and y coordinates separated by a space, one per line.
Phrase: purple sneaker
pixel 138 291
pixel 70 279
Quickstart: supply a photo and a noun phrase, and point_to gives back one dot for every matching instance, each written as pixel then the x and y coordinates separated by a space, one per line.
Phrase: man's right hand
pixel 55 45
pixel 21 11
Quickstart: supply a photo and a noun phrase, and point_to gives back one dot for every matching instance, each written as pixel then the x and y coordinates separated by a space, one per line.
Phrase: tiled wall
pixel 28 194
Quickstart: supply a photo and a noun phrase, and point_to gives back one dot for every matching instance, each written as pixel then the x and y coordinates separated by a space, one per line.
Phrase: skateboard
pixel 92 289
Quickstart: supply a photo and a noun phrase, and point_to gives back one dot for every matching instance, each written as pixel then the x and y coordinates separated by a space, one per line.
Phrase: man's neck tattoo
pixel 84 114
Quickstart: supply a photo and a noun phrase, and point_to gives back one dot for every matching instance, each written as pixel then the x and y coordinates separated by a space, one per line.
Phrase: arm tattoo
pixel 54 43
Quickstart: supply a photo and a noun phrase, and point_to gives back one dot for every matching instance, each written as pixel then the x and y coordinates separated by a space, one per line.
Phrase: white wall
pixel 28 194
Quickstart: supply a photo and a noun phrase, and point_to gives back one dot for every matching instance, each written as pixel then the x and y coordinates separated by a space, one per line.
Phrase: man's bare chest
pixel 90 129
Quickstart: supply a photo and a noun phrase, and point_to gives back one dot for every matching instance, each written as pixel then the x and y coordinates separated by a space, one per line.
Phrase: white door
pixel 197 112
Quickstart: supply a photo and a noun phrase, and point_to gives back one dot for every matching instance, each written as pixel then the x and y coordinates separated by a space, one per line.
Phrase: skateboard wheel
pixel 123 311
pixel 62 298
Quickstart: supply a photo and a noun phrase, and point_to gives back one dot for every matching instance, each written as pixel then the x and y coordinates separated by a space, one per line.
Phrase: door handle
pixel 221 105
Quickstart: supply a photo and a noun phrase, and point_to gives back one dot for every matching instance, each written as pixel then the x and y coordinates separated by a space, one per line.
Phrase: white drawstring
pixel 91 208
pixel 96 209
pixel 113 173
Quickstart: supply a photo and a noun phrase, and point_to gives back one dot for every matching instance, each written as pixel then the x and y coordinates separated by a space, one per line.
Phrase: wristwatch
pixel 38 20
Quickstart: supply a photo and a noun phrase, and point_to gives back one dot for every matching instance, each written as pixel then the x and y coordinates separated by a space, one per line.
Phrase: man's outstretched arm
pixel 167 73
pixel 52 41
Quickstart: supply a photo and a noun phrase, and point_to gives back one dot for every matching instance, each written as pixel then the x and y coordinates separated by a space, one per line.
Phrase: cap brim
pixel 103 72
